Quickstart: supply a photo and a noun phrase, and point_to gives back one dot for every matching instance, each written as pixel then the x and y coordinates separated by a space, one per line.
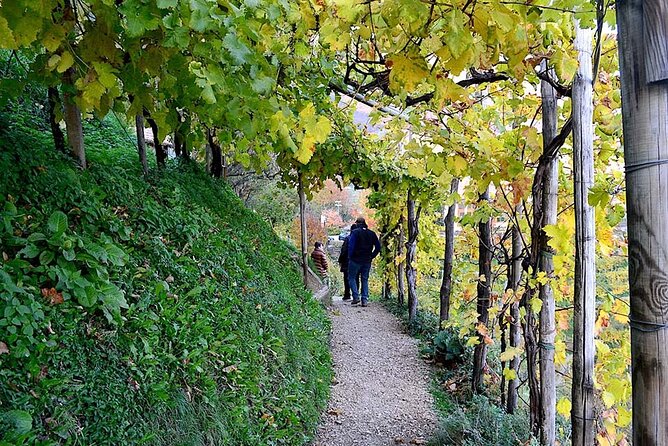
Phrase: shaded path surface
pixel 380 395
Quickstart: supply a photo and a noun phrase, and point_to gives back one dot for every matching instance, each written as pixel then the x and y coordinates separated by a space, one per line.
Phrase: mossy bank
pixel 152 311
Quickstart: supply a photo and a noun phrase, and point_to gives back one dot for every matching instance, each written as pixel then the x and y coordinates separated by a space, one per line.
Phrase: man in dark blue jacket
pixel 363 247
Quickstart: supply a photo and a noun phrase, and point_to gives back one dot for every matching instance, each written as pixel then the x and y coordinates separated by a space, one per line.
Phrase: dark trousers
pixel 346 284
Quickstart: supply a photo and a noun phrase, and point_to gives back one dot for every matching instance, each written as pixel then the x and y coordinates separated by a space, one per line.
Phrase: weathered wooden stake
pixel 645 119
pixel 584 299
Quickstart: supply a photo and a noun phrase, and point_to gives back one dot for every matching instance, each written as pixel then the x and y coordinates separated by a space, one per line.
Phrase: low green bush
pixel 479 422
pixel 152 311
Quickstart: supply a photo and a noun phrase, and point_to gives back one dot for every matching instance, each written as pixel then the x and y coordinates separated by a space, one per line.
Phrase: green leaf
pixel 113 297
pixel 87 297
pixel 46 257
pixel 140 17
pixel 237 49
pixel 30 251
pixel 69 254
pixel 20 419
pixel 36 236
pixel 200 18
pixel 165 4
pixel 57 223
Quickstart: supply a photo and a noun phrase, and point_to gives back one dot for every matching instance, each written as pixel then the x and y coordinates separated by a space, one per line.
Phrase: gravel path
pixel 380 395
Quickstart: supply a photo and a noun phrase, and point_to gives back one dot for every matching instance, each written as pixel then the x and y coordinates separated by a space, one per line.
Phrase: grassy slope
pixel 184 321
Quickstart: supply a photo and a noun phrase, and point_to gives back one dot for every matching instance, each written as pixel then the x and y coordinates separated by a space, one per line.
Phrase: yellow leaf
pixel 603 440
pixel 449 90
pixel 509 374
pixel 536 304
pixel 406 73
pixel 510 354
pixel 105 74
pixel 601 347
pixel 560 352
pixel 53 61
pixel 564 407
pixel 564 64
pixel 623 417
pixel 66 61
pixel 473 341
pixel 6 35
pixel 459 164
pixel 608 399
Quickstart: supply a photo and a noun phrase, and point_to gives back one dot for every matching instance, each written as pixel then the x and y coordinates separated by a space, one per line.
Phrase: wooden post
pixel 141 142
pixel 547 324
pixel 483 299
pixel 655 33
pixel 446 283
pixel 160 149
pixel 401 266
pixel 72 117
pixel 411 248
pixel 645 120
pixel 515 335
pixel 58 137
pixel 304 234
pixel 584 299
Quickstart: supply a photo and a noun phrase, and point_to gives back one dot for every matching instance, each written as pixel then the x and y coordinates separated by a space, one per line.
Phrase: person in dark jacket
pixel 363 247
pixel 343 263
pixel 320 259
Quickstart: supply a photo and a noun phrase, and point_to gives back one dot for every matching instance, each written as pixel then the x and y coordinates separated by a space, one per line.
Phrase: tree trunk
pixel 141 142
pixel 56 132
pixel 401 299
pixel 483 300
pixel 216 155
pixel 160 151
pixel 446 284
pixel 546 264
pixel 411 248
pixel 302 220
pixel 645 119
pixel 515 332
pixel 73 119
pixel 584 299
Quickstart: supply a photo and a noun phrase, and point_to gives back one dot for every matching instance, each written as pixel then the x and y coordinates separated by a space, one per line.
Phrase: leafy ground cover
pixel 465 419
pixel 156 311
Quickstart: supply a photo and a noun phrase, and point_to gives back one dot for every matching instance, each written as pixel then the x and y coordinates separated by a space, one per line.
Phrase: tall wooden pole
pixel 484 295
pixel 304 234
pixel 401 266
pixel 645 119
pixel 547 325
pixel 449 254
pixel 584 299
pixel 411 249
pixel 515 336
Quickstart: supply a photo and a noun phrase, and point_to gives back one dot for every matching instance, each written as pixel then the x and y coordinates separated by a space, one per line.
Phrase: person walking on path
pixel 320 259
pixel 363 247
pixel 343 263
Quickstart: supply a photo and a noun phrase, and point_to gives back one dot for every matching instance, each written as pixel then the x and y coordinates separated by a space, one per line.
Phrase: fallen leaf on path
pixel 418 441
pixel 399 440
pixel 336 412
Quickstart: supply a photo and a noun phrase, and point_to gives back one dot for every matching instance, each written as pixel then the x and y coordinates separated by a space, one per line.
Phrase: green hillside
pixel 156 311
